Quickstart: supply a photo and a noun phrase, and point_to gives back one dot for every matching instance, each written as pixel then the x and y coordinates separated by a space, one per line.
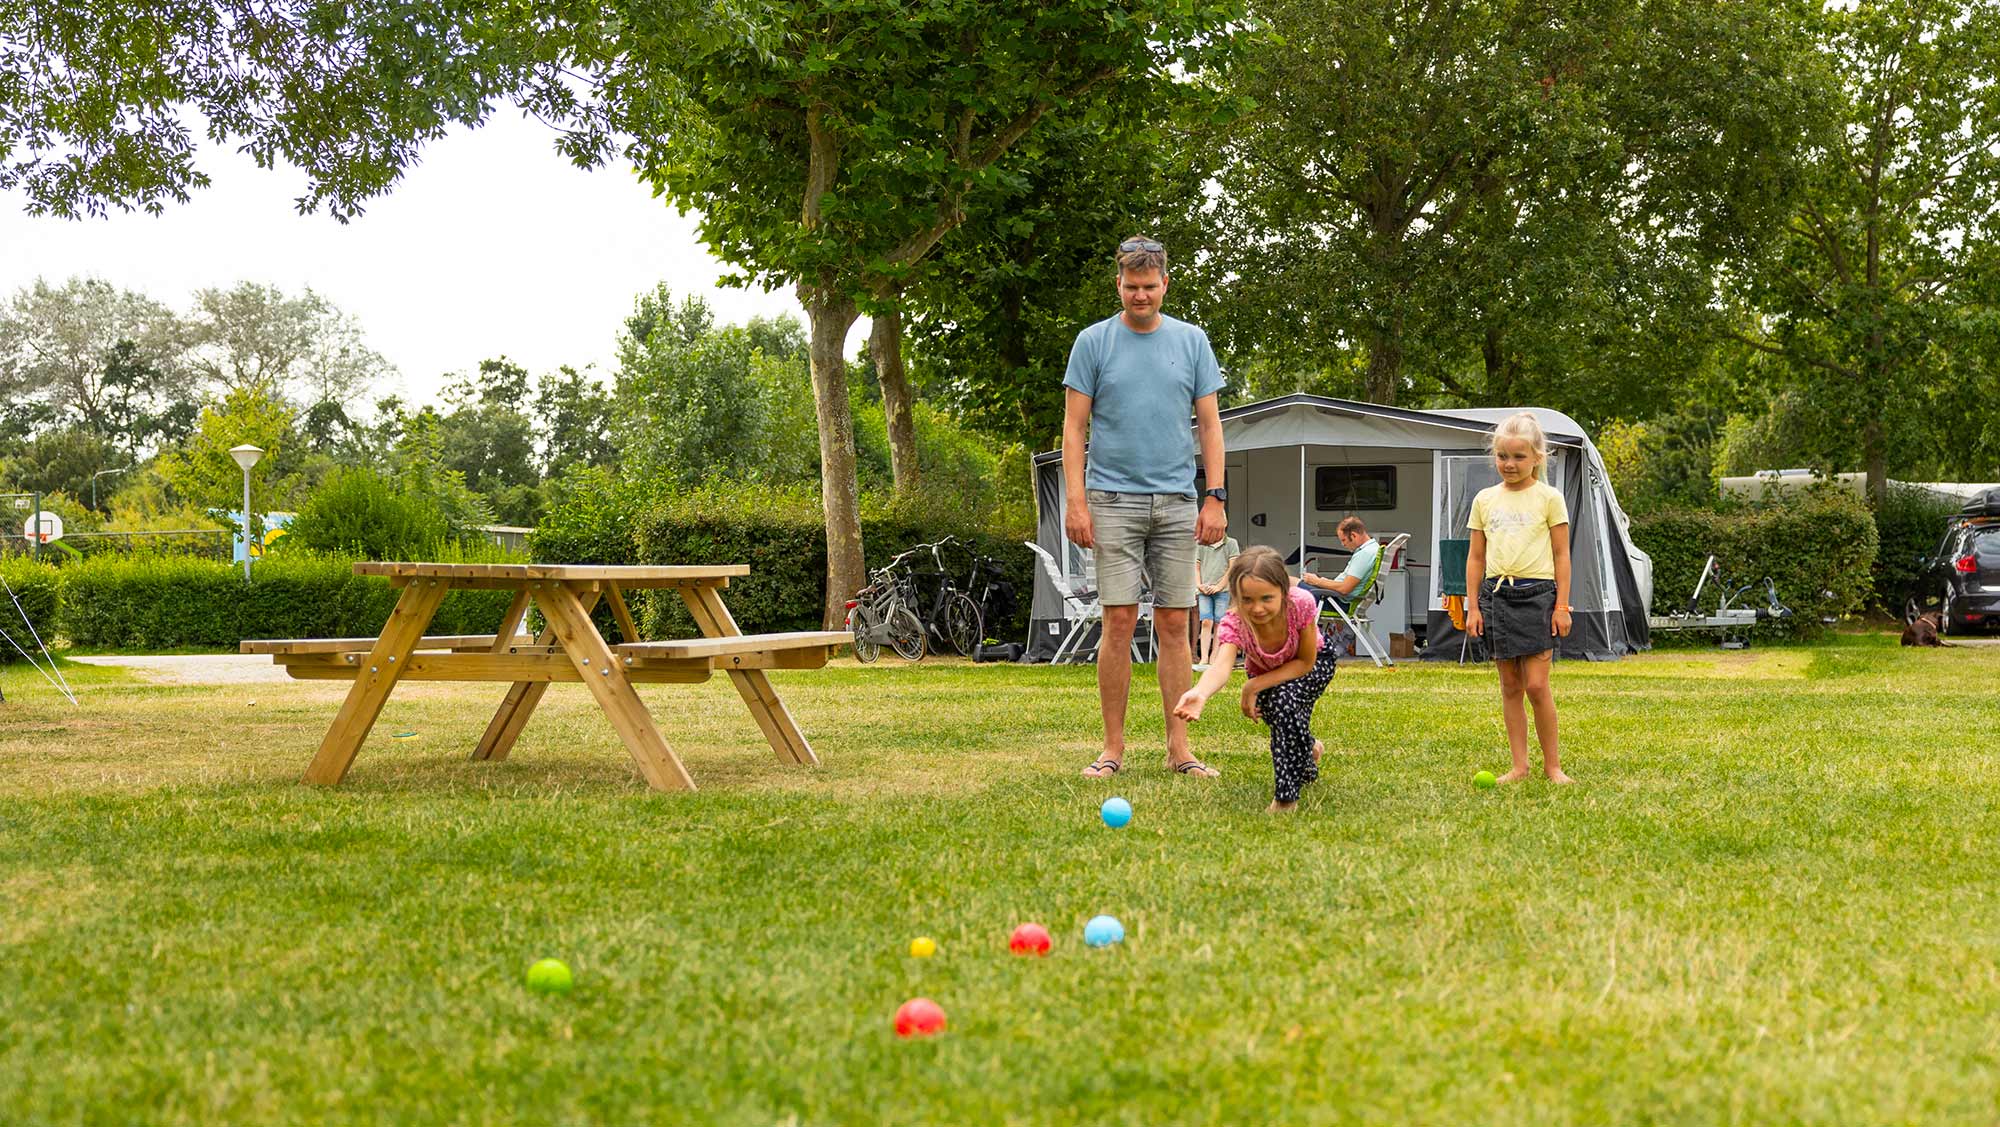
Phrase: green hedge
pixel 778 533
pixel 166 602
pixel 1909 523
pixel 38 586
pixel 1819 547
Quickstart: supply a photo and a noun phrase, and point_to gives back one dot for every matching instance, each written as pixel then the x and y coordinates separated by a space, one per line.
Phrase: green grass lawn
pixel 1772 899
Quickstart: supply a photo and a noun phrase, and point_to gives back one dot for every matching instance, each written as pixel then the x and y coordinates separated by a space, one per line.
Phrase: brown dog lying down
pixel 1923 632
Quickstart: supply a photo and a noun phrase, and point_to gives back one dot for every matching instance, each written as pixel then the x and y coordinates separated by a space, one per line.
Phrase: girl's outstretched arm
pixel 1221 664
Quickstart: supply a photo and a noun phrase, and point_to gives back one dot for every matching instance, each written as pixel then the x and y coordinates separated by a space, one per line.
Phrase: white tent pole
pixel 1302 509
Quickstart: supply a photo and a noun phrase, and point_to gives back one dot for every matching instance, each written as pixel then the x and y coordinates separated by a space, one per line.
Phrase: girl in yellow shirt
pixel 1517 584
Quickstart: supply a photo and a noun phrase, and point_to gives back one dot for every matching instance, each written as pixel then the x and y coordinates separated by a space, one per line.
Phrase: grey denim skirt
pixel 1520 616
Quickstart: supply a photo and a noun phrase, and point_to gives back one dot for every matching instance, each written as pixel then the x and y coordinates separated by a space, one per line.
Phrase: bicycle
pixel 952 616
pixel 881 613
pixel 986 584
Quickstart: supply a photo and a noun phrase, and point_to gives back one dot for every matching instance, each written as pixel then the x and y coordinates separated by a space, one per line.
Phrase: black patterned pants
pixel 1288 709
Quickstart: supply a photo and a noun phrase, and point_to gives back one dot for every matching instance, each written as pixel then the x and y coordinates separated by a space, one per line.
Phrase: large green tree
pixel 94 357
pixel 991 322
pixel 1881 299
pixel 101 100
pixel 301 346
pixel 835 147
pixel 1450 199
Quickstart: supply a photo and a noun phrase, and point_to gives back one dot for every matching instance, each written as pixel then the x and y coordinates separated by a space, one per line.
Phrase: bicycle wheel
pixel 961 624
pixel 906 634
pixel 867 645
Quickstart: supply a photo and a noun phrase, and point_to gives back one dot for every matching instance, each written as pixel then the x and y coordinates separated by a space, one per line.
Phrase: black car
pixel 1961 580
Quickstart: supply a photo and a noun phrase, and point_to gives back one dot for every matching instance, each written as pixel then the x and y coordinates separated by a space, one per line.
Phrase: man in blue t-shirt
pixel 1363 551
pixel 1133 380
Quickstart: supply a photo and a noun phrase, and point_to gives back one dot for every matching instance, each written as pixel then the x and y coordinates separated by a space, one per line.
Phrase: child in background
pixel 1517 585
pixel 1212 590
pixel 1275 626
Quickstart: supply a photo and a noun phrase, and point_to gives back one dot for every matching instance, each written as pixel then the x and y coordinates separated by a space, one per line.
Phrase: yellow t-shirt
pixel 1517 523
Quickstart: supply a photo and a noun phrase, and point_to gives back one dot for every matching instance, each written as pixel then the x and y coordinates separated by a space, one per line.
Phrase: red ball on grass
pixel 919 1017
pixel 1029 939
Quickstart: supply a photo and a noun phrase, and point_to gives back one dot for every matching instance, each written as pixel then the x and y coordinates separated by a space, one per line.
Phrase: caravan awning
pixel 1317 420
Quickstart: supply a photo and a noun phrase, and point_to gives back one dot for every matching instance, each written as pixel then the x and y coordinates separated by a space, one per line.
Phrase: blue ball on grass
pixel 1103 931
pixel 1116 812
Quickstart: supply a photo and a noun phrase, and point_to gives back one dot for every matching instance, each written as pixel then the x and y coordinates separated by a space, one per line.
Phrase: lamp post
pixel 246 456
pixel 93 483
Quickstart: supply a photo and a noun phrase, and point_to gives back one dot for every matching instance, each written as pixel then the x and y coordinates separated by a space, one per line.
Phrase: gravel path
pixel 196 669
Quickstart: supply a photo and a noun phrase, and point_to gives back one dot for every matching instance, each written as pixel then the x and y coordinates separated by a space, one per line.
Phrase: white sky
pixel 493 245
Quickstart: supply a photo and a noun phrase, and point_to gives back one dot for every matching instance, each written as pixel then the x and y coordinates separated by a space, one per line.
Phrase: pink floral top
pixel 1301 614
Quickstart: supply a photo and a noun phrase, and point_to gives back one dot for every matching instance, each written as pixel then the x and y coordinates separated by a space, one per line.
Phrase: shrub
pixel 780 535
pixel 38 587
pixel 776 530
pixel 168 602
pixel 1817 545
pixel 1909 523
pixel 357 511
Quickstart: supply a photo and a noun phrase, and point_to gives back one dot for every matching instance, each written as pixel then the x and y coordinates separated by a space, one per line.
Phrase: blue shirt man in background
pixel 1132 383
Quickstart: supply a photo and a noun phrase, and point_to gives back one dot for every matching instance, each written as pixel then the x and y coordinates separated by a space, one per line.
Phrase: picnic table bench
pixel 569 650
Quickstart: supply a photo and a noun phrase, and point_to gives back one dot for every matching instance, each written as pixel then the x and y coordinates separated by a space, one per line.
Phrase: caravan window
pixel 1354 488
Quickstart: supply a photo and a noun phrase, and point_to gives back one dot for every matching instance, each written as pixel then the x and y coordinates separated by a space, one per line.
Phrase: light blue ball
pixel 1116 812
pixel 1103 931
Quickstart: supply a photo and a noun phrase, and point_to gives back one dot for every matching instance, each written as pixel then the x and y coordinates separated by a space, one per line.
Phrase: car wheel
pixel 1913 609
pixel 1946 624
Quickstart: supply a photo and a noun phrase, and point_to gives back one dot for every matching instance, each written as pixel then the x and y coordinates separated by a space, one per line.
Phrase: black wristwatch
pixel 1221 495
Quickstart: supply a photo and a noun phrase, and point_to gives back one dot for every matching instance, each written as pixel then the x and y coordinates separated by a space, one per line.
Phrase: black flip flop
pixel 1100 765
pixel 1193 765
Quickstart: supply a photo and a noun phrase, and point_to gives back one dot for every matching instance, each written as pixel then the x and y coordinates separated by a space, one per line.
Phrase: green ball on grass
pixel 1483 780
pixel 550 976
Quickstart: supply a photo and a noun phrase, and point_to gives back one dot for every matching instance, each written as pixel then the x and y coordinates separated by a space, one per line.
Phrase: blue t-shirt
pixel 1362 559
pixel 1142 389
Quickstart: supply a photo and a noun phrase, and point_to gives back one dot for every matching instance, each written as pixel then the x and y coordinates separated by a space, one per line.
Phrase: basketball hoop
pixel 42 528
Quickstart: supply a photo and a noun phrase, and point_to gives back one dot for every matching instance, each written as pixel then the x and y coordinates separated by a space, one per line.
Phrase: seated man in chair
pixel 1353 537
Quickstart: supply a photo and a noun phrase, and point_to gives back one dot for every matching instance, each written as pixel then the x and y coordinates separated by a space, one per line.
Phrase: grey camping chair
pixel 1081 608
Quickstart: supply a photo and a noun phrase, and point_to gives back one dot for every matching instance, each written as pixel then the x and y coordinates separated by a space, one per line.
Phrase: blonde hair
pixel 1522 425
pixel 1258 562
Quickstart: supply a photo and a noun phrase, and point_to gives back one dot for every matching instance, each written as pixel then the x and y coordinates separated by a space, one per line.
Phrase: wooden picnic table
pixel 571 649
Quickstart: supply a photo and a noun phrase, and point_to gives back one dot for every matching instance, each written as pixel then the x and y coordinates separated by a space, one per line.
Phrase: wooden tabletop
pixel 624 575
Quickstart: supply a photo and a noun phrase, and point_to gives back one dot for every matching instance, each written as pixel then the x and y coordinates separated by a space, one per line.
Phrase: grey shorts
pixel 1144 541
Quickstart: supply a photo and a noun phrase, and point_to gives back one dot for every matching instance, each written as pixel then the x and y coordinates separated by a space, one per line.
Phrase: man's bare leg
pixel 1176 675
pixel 1114 676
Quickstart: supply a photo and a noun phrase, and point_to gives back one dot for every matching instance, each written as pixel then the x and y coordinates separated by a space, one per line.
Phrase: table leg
pixel 715 621
pixel 386 662
pixel 623 614
pixel 605 677
pixel 522 697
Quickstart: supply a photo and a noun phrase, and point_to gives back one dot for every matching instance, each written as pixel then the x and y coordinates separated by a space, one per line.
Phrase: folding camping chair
pixel 1452 554
pixel 1361 602
pixel 1081 606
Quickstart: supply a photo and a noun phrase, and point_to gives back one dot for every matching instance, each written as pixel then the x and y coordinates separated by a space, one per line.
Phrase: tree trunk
pixel 1875 459
pixel 832 314
pixel 1499 370
pixel 1385 362
pixel 885 345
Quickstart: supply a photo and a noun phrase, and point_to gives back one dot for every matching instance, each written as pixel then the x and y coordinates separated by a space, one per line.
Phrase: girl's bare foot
pixel 1319 749
pixel 1277 807
pixel 1556 776
pixel 1514 776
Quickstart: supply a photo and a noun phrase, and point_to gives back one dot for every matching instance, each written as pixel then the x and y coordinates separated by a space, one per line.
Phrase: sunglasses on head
pixel 1148 245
